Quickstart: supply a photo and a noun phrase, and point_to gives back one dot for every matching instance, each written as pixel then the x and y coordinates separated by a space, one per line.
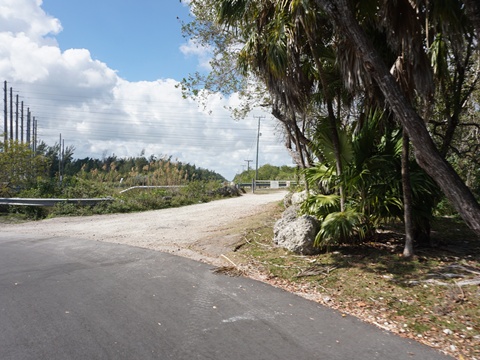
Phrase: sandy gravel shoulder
pixel 200 231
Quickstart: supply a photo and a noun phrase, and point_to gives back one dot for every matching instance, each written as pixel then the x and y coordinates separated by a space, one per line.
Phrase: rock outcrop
pixel 296 233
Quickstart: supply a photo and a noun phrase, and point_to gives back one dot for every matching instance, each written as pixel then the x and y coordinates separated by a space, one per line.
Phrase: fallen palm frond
pixel 230 270
pixel 316 270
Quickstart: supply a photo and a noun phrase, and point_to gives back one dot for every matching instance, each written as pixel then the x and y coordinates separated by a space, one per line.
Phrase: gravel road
pixel 197 231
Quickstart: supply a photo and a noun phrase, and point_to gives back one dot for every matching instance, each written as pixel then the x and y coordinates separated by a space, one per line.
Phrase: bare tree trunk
pixel 407 198
pixel 426 153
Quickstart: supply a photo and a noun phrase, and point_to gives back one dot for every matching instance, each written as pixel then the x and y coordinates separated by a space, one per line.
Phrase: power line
pixel 183 128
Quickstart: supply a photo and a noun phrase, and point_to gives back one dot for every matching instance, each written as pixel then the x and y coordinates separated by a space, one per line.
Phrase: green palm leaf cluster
pixel 371 180
pixel 341 227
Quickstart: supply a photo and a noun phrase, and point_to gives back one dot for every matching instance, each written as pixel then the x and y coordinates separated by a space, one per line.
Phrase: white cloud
pixel 100 113
pixel 27 16
pixel 202 53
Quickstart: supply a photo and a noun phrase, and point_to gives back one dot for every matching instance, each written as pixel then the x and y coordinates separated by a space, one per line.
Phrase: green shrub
pixel 341 227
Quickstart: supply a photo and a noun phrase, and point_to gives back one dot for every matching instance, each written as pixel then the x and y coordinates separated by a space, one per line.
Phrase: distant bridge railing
pixel 268 184
pixel 51 202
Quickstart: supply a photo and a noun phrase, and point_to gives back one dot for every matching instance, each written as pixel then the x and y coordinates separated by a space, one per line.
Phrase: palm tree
pixel 284 50
pixel 371 65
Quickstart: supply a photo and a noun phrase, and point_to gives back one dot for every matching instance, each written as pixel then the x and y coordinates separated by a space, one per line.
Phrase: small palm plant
pixel 371 182
pixel 341 227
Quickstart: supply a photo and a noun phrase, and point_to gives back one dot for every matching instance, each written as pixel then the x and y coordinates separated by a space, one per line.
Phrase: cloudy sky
pixel 103 73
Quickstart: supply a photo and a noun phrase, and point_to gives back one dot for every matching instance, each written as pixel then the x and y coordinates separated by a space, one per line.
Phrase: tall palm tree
pixel 284 49
pixel 282 56
pixel 427 155
pixel 271 53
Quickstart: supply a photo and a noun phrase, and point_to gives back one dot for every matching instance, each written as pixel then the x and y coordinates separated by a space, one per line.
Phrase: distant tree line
pixel 268 172
pixel 23 169
pixel 140 170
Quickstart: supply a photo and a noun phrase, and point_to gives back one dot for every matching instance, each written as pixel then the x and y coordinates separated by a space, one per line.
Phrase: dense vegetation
pixel 46 174
pixel 378 101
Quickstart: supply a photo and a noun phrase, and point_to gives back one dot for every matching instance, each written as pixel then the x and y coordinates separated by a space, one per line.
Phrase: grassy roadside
pixel 136 200
pixel 434 299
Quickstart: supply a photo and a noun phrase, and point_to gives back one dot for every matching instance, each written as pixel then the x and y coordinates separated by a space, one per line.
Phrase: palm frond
pixel 340 228
pixel 324 142
pixel 321 177
pixel 321 205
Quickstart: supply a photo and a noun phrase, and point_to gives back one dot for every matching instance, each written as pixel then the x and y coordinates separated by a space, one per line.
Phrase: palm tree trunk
pixel 331 116
pixel 407 198
pixel 337 150
pixel 426 153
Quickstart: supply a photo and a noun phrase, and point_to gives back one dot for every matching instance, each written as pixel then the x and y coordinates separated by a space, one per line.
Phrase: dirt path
pixel 201 232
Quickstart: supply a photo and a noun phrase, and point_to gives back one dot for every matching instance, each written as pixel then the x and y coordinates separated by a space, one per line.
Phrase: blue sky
pixel 104 74
pixel 139 39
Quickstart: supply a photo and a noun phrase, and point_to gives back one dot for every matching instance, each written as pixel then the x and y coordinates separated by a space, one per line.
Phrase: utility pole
pixel 5 132
pixel 11 113
pixel 21 124
pixel 248 164
pixel 60 159
pixel 16 117
pixel 34 136
pixel 28 126
pixel 63 157
pixel 258 141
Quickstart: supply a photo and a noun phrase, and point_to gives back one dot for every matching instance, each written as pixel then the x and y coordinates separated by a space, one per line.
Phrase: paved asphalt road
pixel 66 298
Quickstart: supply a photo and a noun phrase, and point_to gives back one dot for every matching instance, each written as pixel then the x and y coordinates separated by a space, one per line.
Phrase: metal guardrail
pixel 51 202
pixel 152 187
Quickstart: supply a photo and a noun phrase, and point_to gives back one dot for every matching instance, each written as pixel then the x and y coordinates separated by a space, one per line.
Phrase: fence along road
pixel 51 202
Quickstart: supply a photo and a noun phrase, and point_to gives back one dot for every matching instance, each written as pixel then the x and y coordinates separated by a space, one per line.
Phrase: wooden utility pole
pixel 5 132
pixel 258 142
pixel 60 159
pixel 16 117
pixel 34 136
pixel 21 124
pixel 11 113
pixel 28 126
pixel 248 164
